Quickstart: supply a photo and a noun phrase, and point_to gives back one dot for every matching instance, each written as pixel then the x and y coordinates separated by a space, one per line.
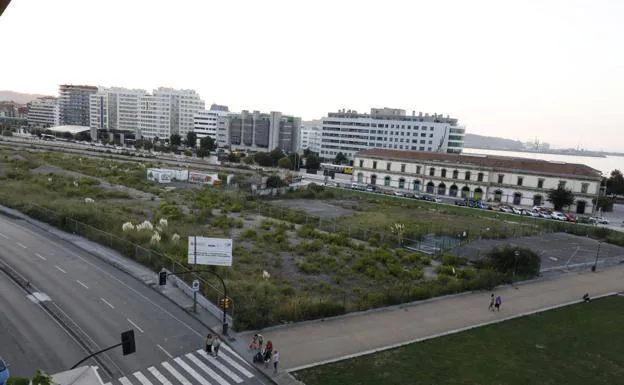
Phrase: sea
pixel 605 165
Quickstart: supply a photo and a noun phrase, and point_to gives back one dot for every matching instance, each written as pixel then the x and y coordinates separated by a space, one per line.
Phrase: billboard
pixel 209 251
pixel 199 177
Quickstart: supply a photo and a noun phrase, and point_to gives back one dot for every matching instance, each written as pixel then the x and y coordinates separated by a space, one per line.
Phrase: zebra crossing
pixel 194 368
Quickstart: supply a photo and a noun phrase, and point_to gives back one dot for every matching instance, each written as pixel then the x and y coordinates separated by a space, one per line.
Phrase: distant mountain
pixel 492 142
pixel 17 97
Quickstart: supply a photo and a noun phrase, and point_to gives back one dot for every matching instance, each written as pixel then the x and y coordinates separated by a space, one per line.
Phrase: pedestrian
pixel 498 302
pixel 586 298
pixel 208 346
pixel 491 307
pixel 268 352
pixel 216 344
pixel 275 361
pixel 254 342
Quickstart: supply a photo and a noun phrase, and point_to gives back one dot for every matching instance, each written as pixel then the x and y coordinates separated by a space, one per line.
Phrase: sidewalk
pixel 317 342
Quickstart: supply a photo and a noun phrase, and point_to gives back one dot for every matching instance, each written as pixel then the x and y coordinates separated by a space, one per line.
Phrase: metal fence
pixel 146 256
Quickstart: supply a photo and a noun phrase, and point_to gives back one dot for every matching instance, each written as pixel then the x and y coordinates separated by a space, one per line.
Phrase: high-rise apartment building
pixel 206 122
pixel 256 132
pixel 311 138
pixel 168 111
pixel 115 109
pixel 74 108
pixel 350 132
pixel 43 112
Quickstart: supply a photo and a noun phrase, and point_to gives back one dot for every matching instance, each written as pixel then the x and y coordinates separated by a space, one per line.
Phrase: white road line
pixel 125 381
pixel 82 284
pixel 108 303
pixel 3 236
pixel 41 256
pixel 158 375
pixel 61 270
pixel 191 371
pixel 135 325
pixel 164 351
pixel 175 373
pixel 205 368
pixel 236 365
pixel 142 379
pixel 21 245
pixel 221 367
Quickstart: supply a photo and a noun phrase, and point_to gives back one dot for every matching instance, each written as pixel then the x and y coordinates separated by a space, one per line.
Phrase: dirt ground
pixel 314 207
pixel 558 250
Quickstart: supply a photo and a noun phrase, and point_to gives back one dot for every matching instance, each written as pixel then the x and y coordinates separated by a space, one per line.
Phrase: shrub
pixel 452 260
pixel 524 263
pixel 445 270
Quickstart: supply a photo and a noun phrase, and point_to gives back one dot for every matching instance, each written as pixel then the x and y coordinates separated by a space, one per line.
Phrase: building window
pixel 467 177
pixel 401 183
pixel 562 184
pixel 388 165
pixel 520 179
pixel 501 177
pixel 403 168
pixel 455 174
pixel 387 181
pixel 374 164
pixel 417 169
pixel 361 163
pixel 443 173
pixel 480 177
pixel 431 171
pixel 584 188
pixel 540 184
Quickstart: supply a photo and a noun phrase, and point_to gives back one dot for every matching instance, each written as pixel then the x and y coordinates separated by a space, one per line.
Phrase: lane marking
pixel 135 325
pixel 41 256
pixel 191 371
pixel 175 373
pixel 21 245
pixel 61 270
pixel 206 369
pixel 158 375
pixel 82 284
pixel 3 236
pixel 164 351
pixel 221 367
pixel 142 379
pixel 125 381
pixel 236 365
pixel 108 303
pixel 37 297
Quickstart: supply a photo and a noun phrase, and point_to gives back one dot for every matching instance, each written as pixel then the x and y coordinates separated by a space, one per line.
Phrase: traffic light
pixel 162 278
pixel 224 303
pixel 127 342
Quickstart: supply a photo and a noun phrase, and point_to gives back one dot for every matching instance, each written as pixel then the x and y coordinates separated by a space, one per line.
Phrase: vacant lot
pixel 314 207
pixel 573 346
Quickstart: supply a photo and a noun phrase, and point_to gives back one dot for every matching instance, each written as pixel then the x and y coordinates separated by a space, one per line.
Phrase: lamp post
pixel 597 254
pixel 516 255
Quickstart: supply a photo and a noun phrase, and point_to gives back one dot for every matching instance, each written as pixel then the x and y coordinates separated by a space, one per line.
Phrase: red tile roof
pixel 520 165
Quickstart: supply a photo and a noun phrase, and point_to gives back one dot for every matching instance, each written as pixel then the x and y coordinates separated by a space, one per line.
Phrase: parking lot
pixel 558 250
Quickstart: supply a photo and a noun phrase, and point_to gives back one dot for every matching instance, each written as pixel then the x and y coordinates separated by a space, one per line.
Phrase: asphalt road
pixel 102 300
pixel 30 338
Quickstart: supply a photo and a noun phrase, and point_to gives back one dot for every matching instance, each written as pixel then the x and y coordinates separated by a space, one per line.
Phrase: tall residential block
pixel 74 107
pixel 206 122
pixel 115 109
pixel 43 112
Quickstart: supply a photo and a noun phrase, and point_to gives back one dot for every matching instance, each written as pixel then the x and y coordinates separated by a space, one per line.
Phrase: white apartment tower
pixel 168 111
pixel 206 122
pixel 350 132
pixel 115 109
pixel 43 112
pixel 311 138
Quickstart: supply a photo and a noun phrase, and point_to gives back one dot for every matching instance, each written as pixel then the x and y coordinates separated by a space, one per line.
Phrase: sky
pixel 550 70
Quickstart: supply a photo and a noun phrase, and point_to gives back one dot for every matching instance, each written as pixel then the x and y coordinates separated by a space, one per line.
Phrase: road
pixel 30 338
pixel 101 302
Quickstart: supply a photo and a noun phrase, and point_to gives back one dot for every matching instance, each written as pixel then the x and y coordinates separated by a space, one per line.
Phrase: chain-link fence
pixel 144 255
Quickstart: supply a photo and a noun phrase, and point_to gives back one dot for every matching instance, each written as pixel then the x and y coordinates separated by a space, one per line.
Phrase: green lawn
pixel 580 344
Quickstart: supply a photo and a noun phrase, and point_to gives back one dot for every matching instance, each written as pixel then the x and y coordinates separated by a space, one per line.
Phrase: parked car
pixel 505 209
pixel 516 210
pixel 398 193
pixel 586 220
pixel 602 221
pixel 558 216
pixel 545 214
pixel 531 213
pixel 431 198
pixel 387 192
pixel 370 188
pixel 460 202
pixel 409 195
pixel 4 372
pixel 570 217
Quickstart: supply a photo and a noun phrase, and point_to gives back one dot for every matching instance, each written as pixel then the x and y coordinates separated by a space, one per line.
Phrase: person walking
pixel 216 344
pixel 491 307
pixel 275 361
pixel 208 346
pixel 254 342
pixel 498 302
pixel 268 352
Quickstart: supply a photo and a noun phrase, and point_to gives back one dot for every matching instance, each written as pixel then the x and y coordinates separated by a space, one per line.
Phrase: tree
pixel 560 197
pixel 248 160
pixel 274 181
pixel 284 163
pixel 207 143
pixel 514 261
pixel 155 139
pixel 263 159
pixel 191 139
pixel 234 157
pixel 202 152
pixel 615 183
pixel 175 139
pixel 147 144
pixel 276 155
pixel 340 158
pixel 312 162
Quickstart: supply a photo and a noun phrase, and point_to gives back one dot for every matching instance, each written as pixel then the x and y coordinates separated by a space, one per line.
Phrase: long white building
pixel 206 122
pixel 168 111
pixel 43 112
pixel 115 109
pixel 311 138
pixel 350 132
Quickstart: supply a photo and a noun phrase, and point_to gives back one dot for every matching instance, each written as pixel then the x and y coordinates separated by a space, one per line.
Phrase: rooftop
pixel 71 129
pixel 393 114
pixel 488 161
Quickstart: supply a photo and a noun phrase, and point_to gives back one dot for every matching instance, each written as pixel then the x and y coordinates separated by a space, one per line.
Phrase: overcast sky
pixel 546 69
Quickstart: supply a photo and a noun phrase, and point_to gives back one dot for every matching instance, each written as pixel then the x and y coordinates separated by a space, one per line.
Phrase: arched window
pixel 430 187
pixel 453 191
pixel 441 189
pixel 373 179
pixel 387 181
pixel 416 185
pixel 465 192
pixel 360 177
pixel 477 194
pixel 517 198
pixel 498 196
pixel 538 200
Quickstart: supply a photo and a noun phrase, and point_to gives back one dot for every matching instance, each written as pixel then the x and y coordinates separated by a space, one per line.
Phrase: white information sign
pixel 210 251
pixel 195 286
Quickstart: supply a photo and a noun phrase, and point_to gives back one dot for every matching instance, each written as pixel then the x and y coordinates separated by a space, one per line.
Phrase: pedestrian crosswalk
pixel 195 368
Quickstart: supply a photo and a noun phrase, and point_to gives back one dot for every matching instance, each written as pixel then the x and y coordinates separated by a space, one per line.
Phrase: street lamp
pixel 597 254
pixel 516 255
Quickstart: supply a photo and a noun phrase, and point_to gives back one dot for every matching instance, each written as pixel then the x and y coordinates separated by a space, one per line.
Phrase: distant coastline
pixel 593 154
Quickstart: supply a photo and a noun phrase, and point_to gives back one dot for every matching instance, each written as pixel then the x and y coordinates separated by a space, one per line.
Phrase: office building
pixel 74 107
pixel 43 112
pixel 206 122
pixel 311 138
pixel 349 132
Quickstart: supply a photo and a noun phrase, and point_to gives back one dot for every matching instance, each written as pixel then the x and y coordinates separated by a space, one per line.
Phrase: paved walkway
pixel 311 343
